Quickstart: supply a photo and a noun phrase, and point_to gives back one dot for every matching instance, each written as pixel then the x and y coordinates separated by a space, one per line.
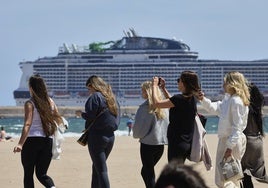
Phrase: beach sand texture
pixel 74 167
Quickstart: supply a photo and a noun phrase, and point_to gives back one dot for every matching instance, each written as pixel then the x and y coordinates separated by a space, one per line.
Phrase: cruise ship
pixel 125 64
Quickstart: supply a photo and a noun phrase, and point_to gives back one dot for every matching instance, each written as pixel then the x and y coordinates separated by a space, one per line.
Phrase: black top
pixel 182 118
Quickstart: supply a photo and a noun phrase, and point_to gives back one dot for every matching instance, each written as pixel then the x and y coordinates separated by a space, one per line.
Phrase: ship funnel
pixel 74 47
pixel 66 48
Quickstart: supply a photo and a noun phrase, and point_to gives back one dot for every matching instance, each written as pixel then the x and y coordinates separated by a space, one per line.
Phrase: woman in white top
pixel 233 114
pixel 35 143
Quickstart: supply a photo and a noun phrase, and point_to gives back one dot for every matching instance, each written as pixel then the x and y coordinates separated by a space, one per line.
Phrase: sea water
pixel 13 126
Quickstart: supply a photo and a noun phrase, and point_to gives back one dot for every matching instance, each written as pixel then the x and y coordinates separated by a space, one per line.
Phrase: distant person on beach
pixel 101 136
pixel 129 125
pixel 233 115
pixel 40 123
pixel 177 175
pixel 3 135
pixel 150 126
pixel 181 114
pixel 253 159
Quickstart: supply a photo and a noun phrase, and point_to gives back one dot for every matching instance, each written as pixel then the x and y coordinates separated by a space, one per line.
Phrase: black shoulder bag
pixel 84 137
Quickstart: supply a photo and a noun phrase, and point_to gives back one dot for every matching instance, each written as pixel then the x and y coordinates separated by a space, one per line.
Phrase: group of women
pixel 240 128
pixel 154 125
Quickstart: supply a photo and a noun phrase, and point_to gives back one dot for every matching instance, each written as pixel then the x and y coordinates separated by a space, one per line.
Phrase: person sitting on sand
pixel 3 135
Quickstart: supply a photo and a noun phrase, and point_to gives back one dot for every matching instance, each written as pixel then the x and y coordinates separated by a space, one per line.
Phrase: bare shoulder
pixel 28 104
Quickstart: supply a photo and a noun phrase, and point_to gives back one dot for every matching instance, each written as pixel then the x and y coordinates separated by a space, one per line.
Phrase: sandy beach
pixel 74 167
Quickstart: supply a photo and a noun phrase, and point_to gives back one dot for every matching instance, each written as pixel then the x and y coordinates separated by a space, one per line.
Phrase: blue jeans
pixel 99 147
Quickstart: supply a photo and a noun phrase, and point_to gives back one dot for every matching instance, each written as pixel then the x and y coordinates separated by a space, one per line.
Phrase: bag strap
pixel 91 124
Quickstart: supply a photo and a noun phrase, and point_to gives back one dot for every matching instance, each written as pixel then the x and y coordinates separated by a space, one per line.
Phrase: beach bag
pixel 231 169
pixel 58 139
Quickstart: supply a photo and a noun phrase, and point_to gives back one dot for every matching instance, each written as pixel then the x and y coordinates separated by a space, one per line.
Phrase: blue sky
pixel 226 30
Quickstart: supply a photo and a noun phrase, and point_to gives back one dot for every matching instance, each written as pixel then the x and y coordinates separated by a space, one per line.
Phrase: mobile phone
pixel 159 81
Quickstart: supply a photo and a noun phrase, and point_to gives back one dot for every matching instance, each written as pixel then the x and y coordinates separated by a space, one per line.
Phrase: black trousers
pixel 36 155
pixel 99 147
pixel 178 150
pixel 150 155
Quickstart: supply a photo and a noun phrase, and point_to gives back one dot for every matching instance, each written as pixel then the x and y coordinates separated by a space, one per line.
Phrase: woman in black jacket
pixel 101 107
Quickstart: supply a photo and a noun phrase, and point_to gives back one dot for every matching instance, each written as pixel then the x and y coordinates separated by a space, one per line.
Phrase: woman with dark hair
pixel 181 114
pixel 253 159
pixel 102 108
pixel 40 123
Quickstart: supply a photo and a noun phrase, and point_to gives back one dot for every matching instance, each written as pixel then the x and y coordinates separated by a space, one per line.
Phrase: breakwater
pixel 71 111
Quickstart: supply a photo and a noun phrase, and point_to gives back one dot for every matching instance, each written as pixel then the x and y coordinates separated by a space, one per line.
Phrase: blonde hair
pixel 236 82
pixel 147 87
pixel 106 90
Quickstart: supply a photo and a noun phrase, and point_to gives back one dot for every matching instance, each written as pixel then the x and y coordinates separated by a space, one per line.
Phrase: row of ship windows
pixel 130 79
pixel 82 73
pixel 121 75
pixel 136 84
pixel 216 66
pixel 172 74
pixel 144 66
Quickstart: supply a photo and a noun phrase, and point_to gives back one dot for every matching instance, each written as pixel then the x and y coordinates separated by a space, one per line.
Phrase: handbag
pixel 82 140
pixel 231 169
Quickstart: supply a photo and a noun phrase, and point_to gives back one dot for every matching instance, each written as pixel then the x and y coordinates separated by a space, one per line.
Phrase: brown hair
pixel 190 81
pixel 179 175
pixel 44 105
pixel 106 90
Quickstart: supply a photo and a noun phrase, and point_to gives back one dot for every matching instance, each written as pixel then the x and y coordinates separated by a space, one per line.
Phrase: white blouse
pixel 232 115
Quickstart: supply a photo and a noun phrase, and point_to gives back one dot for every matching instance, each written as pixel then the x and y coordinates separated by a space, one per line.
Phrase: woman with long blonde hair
pixel 233 114
pixel 150 127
